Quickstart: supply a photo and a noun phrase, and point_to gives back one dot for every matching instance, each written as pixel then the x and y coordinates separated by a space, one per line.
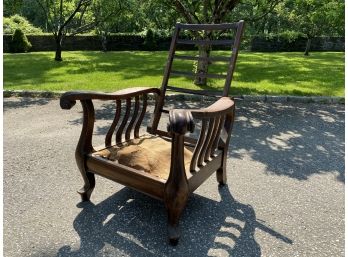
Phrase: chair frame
pixel 209 150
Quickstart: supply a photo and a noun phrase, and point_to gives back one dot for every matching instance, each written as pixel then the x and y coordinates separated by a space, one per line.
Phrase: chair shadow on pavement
pixel 130 223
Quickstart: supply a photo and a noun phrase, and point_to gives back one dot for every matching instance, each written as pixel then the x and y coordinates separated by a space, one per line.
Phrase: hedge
pixel 121 42
pixel 282 44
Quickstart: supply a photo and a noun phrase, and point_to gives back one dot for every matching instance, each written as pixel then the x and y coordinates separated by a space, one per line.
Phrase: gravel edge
pixel 251 98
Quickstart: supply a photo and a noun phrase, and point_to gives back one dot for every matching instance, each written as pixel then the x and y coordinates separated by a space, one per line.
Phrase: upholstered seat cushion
pixel 150 154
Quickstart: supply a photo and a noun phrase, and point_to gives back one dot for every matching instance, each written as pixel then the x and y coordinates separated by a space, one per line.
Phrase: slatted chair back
pixel 204 35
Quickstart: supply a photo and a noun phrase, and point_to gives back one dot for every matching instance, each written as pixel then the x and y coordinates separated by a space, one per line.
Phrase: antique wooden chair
pixel 166 165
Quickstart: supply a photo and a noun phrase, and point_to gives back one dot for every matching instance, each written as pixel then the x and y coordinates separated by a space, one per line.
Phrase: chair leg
pixel 89 185
pixel 174 207
pixel 221 173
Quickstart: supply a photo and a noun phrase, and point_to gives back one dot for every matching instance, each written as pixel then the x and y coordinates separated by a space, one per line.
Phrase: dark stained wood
pixel 85 147
pixel 205 172
pixel 193 75
pixel 188 140
pixel 194 92
pixel 138 180
pixel 221 172
pixel 205 42
pixel 209 59
pixel 68 99
pixel 134 117
pixel 206 142
pixel 198 148
pixel 240 28
pixel 176 191
pixel 217 136
pixel 209 150
pixel 141 117
pixel 221 26
pixel 160 102
pixel 124 122
pixel 112 128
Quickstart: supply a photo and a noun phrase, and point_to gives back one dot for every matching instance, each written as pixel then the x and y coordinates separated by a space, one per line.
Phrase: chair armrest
pixel 220 107
pixel 68 99
pixel 217 121
pixel 181 120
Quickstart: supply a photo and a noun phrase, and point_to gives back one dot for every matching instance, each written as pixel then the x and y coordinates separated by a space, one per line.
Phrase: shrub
pixel 10 24
pixel 19 42
pixel 150 40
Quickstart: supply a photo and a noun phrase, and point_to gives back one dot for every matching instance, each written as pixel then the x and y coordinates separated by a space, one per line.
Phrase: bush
pixel 10 24
pixel 150 40
pixel 19 42
pixel 289 36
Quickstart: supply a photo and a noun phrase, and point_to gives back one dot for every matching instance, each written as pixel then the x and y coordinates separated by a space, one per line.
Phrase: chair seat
pixel 151 154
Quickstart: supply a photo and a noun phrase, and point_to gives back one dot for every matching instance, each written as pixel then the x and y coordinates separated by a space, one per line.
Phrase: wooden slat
pixel 207 155
pixel 124 122
pixel 197 58
pixel 188 140
pixel 132 121
pixel 205 172
pixel 194 92
pixel 206 142
pixel 217 136
pixel 205 42
pixel 199 145
pixel 111 131
pixel 190 74
pixel 141 117
pixel 234 56
pixel 222 26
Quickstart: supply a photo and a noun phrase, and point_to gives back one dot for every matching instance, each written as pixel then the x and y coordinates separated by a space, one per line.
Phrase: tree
pixel 12 7
pixel 316 18
pixel 259 14
pixel 68 18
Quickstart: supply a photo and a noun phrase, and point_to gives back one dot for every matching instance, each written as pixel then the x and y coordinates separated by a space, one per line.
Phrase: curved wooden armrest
pixel 217 121
pixel 181 120
pixel 220 107
pixel 68 99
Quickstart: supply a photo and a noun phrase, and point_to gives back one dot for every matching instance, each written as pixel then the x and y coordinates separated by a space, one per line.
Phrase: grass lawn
pixel 322 73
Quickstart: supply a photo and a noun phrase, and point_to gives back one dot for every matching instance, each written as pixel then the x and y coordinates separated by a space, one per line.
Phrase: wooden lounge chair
pixel 166 165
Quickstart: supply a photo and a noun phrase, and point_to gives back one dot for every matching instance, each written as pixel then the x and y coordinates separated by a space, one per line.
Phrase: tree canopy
pixel 309 17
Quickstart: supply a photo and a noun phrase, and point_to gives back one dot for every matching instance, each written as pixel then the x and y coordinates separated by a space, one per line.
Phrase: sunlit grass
pixel 322 73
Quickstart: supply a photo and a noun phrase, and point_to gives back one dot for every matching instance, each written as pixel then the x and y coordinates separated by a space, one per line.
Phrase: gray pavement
pixel 285 193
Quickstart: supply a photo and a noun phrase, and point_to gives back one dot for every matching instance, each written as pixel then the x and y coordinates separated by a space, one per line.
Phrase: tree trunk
pixel 104 41
pixel 308 46
pixel 59 39
pixel 202 65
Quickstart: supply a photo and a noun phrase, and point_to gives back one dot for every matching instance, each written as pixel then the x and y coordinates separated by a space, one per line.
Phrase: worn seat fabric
pixel 151 154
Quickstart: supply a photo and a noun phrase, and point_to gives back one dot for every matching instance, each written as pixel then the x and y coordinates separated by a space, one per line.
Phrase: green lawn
pixel 322 73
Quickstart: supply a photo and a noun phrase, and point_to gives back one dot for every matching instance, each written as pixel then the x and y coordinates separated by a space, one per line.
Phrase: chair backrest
pixel 205 35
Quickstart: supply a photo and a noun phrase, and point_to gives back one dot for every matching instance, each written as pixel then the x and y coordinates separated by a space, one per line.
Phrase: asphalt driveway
pixel 285 193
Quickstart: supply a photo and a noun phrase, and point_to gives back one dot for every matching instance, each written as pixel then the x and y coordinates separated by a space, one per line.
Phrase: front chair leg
pixel 176 190
pixel 221 176
pixel 175 203
pixel 84 147
pixel 88 187
pixel 221 172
